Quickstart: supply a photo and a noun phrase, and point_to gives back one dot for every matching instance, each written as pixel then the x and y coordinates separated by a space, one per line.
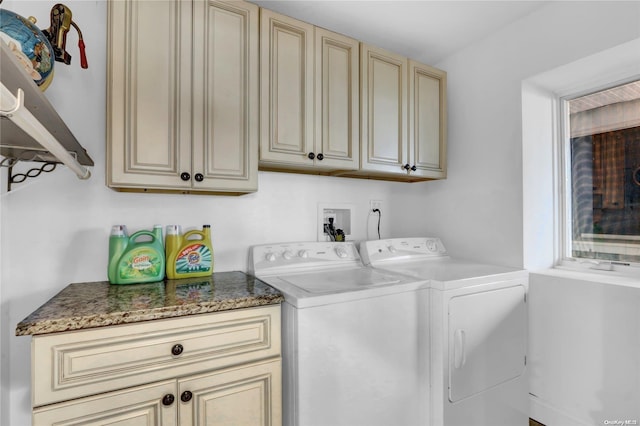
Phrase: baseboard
pixel 549 415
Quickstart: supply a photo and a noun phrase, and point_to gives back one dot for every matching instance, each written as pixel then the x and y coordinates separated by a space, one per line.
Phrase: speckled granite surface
pixel 97 304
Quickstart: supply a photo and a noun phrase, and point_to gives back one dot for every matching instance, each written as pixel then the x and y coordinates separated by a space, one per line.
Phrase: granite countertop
pixel 96 304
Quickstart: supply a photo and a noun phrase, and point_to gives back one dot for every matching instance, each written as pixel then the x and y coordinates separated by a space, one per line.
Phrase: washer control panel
pixel 304 255
pixel 395 249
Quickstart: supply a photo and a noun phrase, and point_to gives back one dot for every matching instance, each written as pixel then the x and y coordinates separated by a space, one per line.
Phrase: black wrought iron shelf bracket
pixel 14 178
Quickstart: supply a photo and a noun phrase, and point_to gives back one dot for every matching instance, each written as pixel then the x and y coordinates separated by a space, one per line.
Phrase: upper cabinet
pixel 384 132
pixel 183 117
pixel 236 88
pixel 337 100
pixel 309 102
pixel 330 104
pixel 403 117
pixel 427 122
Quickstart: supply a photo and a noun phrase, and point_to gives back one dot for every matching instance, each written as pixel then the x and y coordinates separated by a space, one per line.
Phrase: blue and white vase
pixel 30 46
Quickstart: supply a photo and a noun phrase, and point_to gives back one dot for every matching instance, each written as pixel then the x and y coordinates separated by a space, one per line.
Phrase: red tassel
pixel 83 55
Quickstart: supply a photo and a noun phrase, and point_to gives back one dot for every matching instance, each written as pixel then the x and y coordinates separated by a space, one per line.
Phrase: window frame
pixel 563 152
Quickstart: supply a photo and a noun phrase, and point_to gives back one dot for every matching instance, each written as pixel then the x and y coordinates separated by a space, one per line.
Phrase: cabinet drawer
pixel 79 363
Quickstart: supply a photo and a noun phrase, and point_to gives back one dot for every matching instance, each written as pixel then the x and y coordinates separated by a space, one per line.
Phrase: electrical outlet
pixel 375 204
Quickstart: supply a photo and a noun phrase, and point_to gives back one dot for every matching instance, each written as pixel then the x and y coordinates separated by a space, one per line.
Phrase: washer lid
pixel 340 280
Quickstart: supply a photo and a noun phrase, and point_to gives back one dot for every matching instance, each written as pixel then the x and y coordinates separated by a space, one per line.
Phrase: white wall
pixel 478 208
pixel 583 356
pixel 55 227
pixel 583 326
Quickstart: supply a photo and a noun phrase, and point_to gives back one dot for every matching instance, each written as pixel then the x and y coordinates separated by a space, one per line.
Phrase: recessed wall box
pixel 334 217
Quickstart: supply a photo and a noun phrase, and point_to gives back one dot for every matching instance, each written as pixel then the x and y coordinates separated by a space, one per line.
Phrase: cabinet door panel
pixel 248 396
pixel 427 120
pixel 287 89
pixel 146 109
pixel 225 115
pixel 141 406
pixel 337 100
pixel 384 112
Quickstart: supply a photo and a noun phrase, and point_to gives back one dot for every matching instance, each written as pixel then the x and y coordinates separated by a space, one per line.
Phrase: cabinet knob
pixel 311 156
pixel 186 396
pixel 168 399
pixel 199 177
pixel 414 168
pixel 406 166
pixel 177 349
pixel 320 157
pixel 185 176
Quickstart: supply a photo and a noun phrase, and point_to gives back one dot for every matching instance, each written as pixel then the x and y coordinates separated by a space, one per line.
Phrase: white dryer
pixel 352 337
pixel 478 323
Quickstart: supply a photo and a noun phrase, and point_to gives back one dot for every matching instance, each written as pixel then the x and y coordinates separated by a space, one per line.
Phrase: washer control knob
pixel 287 255
pixel 341 252
pixel 432 246
pixel 392 249
pixel 271 257
pixel 303 254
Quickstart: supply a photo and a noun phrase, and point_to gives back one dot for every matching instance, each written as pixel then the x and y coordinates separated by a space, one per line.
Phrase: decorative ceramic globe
pixel 29 45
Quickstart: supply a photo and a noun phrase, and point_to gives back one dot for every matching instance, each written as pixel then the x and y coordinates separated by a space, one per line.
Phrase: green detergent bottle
pixel 136 259
pixel 192 255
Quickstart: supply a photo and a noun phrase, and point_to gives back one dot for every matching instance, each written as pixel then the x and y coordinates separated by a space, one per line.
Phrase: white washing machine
pixel 353 337
pixel 478 318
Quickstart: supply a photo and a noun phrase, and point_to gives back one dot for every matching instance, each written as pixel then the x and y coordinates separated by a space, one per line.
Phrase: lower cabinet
pixel 238 396
pixel 207 369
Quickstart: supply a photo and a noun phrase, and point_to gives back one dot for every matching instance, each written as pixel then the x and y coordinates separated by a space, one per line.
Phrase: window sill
pixel 617 278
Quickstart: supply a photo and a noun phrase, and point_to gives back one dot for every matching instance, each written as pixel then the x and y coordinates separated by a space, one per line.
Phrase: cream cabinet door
pixel 246 396
pixel 383 78
pixel 286 73
pixel 148 94
pixel 182 108
pixel 139 406
pixel 225 96
pixel 427 121
pixel 337 101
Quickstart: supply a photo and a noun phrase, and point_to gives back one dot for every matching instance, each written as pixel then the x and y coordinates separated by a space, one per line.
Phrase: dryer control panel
pixel 396 249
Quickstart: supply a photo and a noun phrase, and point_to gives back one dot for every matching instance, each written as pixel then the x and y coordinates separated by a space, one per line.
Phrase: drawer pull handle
pixel 177 349
pixel 186 396
pixel 168 399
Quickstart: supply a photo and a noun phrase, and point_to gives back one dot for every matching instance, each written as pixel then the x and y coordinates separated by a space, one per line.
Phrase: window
pixel 602 154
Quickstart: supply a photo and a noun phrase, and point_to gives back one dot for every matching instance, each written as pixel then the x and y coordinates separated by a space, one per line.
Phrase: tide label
pixel 194 258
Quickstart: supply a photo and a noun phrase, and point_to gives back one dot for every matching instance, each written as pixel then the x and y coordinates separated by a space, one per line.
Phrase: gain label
pixel 140 263
pixel 193 258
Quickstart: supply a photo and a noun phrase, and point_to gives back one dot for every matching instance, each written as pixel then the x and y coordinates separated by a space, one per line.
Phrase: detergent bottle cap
pixel 118 230
pixel 173 230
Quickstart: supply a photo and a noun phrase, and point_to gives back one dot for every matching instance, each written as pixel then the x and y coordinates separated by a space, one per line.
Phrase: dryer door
pixel 487 340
